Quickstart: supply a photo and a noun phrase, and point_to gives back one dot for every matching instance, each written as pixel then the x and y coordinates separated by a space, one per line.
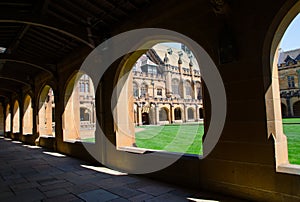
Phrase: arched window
pixel 81 87
pixel 190 113
pixel 198 91
pixel 46 112
pixel 144 90
pixel 291 81
pixel 8 119
pixel 188 89
pixel 27 116
pixel 16 117
pixel 163 114
pixel 296 109
pixel 175 87
pixel 79 117
pixel 87 87
pixel 135 89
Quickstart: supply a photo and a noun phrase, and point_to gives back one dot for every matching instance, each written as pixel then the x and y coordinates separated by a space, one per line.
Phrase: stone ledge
pixel 289 168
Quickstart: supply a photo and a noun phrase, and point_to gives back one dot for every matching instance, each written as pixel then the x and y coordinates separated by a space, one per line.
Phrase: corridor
pixel 31 173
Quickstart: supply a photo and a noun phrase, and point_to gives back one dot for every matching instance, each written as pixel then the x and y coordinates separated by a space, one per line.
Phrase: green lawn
pixel 291 128
pixel 184 138
pixel 92 140
pixel 291 120
pixel 187 138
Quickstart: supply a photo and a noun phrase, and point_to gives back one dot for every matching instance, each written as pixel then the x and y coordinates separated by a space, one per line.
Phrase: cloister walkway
pixel 31 173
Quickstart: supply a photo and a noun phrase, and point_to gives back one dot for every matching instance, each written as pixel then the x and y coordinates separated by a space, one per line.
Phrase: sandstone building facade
pixel 167 87
pixel 289 82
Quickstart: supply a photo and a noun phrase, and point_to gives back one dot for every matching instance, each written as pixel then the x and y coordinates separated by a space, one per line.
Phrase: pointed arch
pixel 163 114
pixel 79 117
pixel 46 112
pixel 7 119
pixel 16 117
pixel 27 115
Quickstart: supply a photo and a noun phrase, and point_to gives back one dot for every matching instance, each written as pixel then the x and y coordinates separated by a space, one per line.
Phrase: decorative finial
pixel 179 59
pixel 166 59
pixel 191 62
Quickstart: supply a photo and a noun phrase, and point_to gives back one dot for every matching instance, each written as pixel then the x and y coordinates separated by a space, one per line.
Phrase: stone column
pixel 171 113
pixel 156 114
pixel 184 113
pixel 168 81
pixel 182 85
pixel 194 90
pixel 139 112
pixel 197 118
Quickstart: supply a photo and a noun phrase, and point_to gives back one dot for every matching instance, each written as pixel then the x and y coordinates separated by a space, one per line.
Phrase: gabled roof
pixel 161 50
pixel 286 56
pixel 297 58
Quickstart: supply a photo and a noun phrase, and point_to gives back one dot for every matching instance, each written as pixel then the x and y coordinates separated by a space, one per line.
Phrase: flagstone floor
pixel 30 173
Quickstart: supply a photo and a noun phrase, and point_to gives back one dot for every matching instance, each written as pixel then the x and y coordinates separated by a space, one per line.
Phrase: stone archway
pixel 190 114
pixel 296 109
pixel 46 112
pixel 177 114
pixel 27 116
pixel 283 110
pixel 145 118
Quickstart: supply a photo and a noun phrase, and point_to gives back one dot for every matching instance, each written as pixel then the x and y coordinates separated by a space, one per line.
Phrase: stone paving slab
pixel 141 197
pixel 125 192
pixel 31 174
pixel 156 190
pixel 83 188
pixel 98 195
pixel 56 192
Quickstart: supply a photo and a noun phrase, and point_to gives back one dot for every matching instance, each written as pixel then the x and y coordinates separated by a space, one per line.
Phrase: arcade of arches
pixel 46 100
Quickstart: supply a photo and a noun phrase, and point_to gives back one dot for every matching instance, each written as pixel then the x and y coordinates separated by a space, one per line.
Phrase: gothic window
pixel 175 86
pixel 135 90
pixel 188 89
pixel 81 87
pixel 87 87
pixel 291 82
pixel 144 90
pixel 199 91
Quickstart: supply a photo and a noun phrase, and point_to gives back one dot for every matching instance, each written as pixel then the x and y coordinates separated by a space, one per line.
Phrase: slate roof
pixel 286 56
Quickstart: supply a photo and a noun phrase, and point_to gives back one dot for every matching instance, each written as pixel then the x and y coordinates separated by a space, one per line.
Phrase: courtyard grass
pixel 187 138
pixel 291 128
pixel 181 138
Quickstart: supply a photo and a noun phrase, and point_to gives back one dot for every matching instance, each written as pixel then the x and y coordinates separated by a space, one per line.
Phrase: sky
pixel 173 45
pixel 291 37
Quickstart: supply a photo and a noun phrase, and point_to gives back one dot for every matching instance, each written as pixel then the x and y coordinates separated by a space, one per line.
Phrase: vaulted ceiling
pixel 35 35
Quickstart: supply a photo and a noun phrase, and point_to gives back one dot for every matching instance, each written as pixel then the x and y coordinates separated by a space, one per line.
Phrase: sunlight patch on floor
pixel 201 200
pixel 54 154
pixel 16 142
pixel 31 146
pixel 103 170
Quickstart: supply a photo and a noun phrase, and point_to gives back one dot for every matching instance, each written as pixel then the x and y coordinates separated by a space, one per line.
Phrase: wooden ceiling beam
pixel 72 30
